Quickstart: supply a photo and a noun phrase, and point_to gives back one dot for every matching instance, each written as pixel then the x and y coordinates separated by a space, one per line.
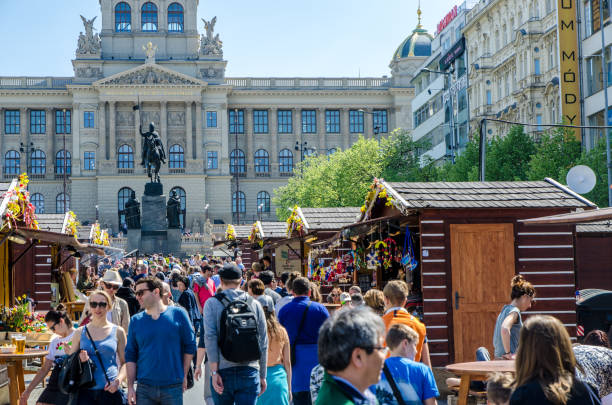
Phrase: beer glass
pixel 20 342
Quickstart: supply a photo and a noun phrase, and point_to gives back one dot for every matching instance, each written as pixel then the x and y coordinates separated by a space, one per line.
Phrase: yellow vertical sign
pixel 568 57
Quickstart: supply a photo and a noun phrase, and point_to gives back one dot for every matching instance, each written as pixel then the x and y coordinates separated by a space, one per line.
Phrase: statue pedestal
pixel 153 235
pixel 133 239
pixel 174 241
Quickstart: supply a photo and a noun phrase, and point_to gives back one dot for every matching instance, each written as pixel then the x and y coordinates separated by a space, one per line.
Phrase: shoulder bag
pixel 292 346
pixel 396 392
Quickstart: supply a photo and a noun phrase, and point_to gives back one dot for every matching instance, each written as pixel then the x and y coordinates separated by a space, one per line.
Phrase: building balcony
pixel 264 174
pixel 286 174
pixel 176 170
pixel 308 83
pixel 125 171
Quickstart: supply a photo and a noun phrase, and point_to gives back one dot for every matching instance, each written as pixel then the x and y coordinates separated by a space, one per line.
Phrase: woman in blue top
pixel 109 340
pixel 509 321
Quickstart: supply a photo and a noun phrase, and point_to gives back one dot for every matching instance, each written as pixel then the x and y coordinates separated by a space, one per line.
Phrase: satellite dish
pixel 581 179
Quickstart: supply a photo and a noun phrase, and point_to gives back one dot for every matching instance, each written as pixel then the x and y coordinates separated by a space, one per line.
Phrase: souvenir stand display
pixel 235 243
pixel 263 233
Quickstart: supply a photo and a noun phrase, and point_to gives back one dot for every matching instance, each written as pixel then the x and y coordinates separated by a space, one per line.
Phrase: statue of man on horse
pixel 153 153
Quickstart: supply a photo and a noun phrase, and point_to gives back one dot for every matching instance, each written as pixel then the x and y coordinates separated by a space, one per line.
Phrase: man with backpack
pixel 236 342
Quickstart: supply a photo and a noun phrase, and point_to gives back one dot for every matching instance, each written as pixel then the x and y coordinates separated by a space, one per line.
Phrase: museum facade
pixel 229 141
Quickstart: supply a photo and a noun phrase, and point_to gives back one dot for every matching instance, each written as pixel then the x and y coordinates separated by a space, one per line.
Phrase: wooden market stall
pixel 470 243
pixel 264 233
pixel 236 241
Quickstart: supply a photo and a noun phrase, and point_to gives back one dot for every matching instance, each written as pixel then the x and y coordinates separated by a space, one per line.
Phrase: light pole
pixel 300 147
pixel 64 156
pixel 236 166
pixel 376 127
pixel 206 212
pixel 28 152
pixel 259 210
pixel 452 107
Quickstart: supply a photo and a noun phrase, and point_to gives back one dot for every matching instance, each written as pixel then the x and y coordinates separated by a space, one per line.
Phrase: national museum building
pixel 229 141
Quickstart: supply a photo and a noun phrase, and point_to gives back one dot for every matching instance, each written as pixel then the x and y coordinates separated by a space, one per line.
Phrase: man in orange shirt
pixel 395 295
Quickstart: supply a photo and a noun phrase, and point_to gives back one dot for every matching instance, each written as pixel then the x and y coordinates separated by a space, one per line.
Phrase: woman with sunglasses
pixel 59 323
pixel 109 340
pixel 119 313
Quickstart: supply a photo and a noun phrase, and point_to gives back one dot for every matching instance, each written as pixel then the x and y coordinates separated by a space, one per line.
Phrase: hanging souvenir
pixel 371 260
pixel 409 260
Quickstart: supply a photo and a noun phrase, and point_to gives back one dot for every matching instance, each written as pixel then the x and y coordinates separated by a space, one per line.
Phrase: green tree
pixel 596 160
pixel 338 180
pixel 402 160
pixel 466 164
pixel 508 156
pixel 554 155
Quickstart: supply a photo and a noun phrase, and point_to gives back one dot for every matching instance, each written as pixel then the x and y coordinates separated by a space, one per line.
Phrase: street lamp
pixel 376 127
pixel 65 155
pixel 236 166
pixel 300 147
pixel 28 151
pixel 259 211
pixel 452 105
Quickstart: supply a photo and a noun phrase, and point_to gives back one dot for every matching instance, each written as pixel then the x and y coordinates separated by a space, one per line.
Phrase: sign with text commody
pixel 568 56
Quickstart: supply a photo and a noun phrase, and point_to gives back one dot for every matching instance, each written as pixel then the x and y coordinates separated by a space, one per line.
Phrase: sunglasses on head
pixel 111 286
pixel 101 304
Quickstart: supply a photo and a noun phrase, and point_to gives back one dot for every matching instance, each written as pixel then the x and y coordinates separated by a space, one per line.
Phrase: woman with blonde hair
pixel 375 299
pixel 546 366
pixel 315 293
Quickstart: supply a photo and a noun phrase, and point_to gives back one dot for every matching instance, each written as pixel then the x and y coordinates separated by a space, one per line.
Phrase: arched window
pixel 62 203
pixel 123 17
pixel 285 161
pixel 11 162
pixel 183 197
pixel 59 162
pixel 263 202
pixel 237 164
pixel 149 17
pixel 262 161
pixel 177 157
pixel 331 151
pixel 309 152
pixel 38 200
pixel 240 205
pixel 125 157
pixel 38 162
pixel 175 18
pixel 122 197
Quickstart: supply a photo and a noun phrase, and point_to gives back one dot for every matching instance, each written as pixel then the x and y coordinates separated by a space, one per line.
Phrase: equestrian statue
pixel 153 153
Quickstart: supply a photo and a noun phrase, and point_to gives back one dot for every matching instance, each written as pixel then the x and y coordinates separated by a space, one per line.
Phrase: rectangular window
pixel 11 122
pixel 260 121
pixel 489 100
pixel 309 121
pixel 212 161
pixel 332 121
pixel 356 122
pixel 38 122
pixel 380 121
pixel 285 122
pixel 88 119
pixel 236 121
pixel 89 161
pixel 536 67
pixel 211 119
pixel 63 122
pixel 539 121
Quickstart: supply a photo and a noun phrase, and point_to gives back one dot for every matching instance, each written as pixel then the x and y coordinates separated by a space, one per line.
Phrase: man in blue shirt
pixel 302 319
pixel 160 346
pixel 415 381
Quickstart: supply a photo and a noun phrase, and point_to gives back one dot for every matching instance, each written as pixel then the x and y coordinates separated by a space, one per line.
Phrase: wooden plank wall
pixel 593 260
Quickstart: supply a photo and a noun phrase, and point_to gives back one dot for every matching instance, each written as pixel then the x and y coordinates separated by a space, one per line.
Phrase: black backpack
pixel 238 334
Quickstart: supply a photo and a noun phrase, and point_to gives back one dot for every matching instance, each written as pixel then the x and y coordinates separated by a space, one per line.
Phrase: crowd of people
pixel 153 327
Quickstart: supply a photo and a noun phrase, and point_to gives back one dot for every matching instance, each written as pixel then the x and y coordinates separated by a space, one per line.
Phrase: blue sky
pixel 261 38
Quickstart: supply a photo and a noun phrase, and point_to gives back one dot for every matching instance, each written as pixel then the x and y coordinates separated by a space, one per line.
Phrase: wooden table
pixel 14 365
pixel 477 371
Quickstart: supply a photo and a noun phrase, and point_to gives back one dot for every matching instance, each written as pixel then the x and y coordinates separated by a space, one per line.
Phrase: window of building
pixel 380 121
pixel 236 121
pixel 123 17
pixel 59 162
pixel 180 192
pixel 125 157
pixel 309 121
pixel 238 203
pixel 539 121
pixel 489 99
pixel 211 119
pixel 176 157
pixel 536 66
pixel 588 16
pixel 309 152
pixel 262 161
pixel 11 122
pixel 89 161
pixel 285 122
pixel 212 160
pixel 285 161
pixel 356 122
pixel 591 11
pixel 88 119
pixel 332 121
pixel 62 203
pixel 38 162
pixel 149 17
pixel 12 162
pixel 123 196
pixel 594 74
pixel 175 18
pixel 263 201
pixel 63 122
pixel 38 200
pixel 331 151
pixel 38 122
pixel 462 100
pixel 260 121
pixel 237 163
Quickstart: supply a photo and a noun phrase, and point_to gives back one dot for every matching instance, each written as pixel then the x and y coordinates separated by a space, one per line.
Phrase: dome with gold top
pixel 417 44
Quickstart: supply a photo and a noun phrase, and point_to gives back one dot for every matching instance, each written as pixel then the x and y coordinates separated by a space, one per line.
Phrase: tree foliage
pixel 556 153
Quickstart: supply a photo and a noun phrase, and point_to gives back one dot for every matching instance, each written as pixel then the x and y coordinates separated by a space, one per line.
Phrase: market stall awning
pixel 572 218
pixel 60 239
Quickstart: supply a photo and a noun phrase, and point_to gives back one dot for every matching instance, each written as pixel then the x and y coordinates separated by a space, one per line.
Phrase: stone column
pixel 198 130
pixel 101 153
pixel 112 144
pixel 76 140
pixel 322 131
pixel 250 158
pixel 188 132
pixel 368 123
pixel 345 129
pixel 273 120
pixel 163 121
pixel 50 135
pixel 24 130
pixel 223 124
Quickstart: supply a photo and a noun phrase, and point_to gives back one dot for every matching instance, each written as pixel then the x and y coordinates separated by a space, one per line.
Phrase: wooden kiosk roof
pixel 329 218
